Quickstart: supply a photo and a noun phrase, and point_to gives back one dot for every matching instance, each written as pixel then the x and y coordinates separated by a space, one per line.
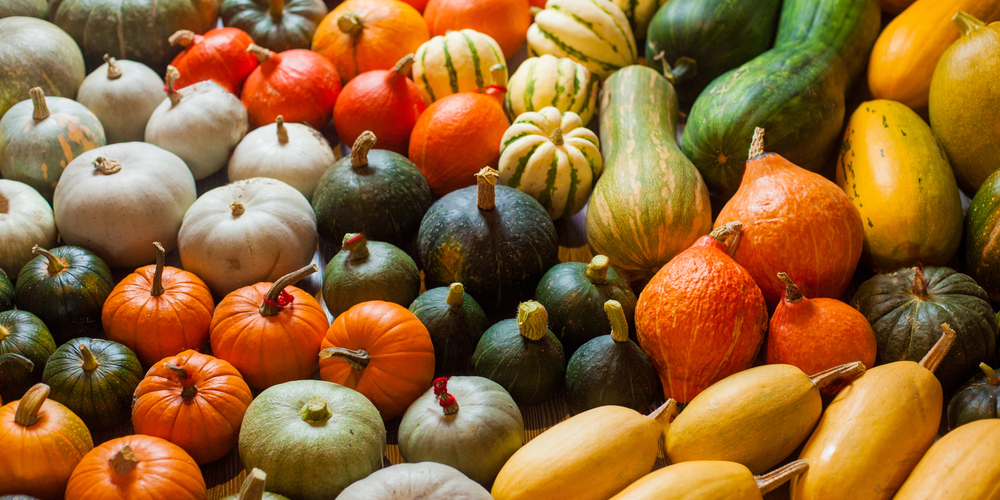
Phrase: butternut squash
pixel 961 465
pixel 708 480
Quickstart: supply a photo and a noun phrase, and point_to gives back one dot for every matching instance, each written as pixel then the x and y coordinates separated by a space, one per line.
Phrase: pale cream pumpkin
pixel 25 221
pixel 123 95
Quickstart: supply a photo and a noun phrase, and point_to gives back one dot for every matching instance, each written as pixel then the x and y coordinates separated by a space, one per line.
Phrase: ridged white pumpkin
pixel 458 61
pixel 247 232
pixel 25 221
pixel 548 80
pixel 639 14
pixel 552 157
pixel 424 480
pixel 123 95
pixel 594 33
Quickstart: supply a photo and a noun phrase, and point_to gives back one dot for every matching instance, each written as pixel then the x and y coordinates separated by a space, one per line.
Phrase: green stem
pixel 270 307
pixel 358 359
pixel 792 294
pixel 770 481
pixel 90 363
pixel 597 270
pixel 31 403
pixel 356 245
pixel 362 145
pixel 315 411
pixel 350 24
pixel 253 486
pixel 966 23
pixel 56 265
pixel 161 256
pixel 456 295
pixel 532 320
pixel 619 325
pixel 991 375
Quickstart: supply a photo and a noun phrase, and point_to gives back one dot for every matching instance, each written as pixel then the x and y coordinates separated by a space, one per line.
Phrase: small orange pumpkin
pixel 381 350
pixel 137 467
pixel 270 334
pixel 195 401
pixel 219 55
pixel 158 311
pixel 298 85
pixel 506 21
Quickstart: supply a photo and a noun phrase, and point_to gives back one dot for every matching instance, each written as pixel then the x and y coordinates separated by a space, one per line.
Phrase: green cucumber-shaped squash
pixel 982 250
pixel 650 203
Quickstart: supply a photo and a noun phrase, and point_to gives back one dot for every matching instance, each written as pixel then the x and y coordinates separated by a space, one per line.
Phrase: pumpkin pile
pixel 311 237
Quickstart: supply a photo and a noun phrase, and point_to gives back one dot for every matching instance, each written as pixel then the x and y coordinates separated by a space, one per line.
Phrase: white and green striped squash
pixel 594 33
pixel 552 157
pixel 552 81
pixel 459 61
pixel 639 14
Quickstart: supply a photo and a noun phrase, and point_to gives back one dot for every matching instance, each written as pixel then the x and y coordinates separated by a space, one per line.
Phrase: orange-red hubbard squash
pixel 297 84
pixel 219 55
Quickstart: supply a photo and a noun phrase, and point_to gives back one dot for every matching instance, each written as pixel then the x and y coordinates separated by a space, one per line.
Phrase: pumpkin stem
pixel 619 325
pixel 757 144
pixel 486 179
pixel 90 363
pixel 532 320
pixel 279 124
pixel 172 76
pixel 936 355
pixel 919 281
pixel 184 38
pixel 350 23
pixel 770 481
pixel 557 137
pixel 665 413
pixel 792 294
pixel 237 208
pixel 26 414
pixel 56 265
pixel 966 23
pixel 844 372
pixel 356 245
pixel 277 8
pixel 273 304
pixel 684 69
pixel 456 295
pixel 315 411
pixel 358 359
pixel 124 461
pixel 403 66
pixel 188 391
pixel 991 375
pixel 597 270
pixel 724 232
pixel 114 70
pixel 261 53
pixel 161 256
pixel 253 486
pixel 362 145
pixel 41 111
pixel 107 166
pixel 447 401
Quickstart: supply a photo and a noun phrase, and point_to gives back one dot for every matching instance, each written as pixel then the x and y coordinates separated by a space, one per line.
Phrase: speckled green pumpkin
pixel 455 321
pixel 27 8
pixel 36 53
pixel 369 270
pixel 6 292
pixel 979 399
pixel 22 333
pixel 279 25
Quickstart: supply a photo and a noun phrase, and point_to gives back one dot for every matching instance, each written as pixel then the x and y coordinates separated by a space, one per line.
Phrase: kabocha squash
pixel 505 21
pixel 553 157
pixel 117 199
pixel 314 437
pixel 279 25
pixel 43 442
pixel 23 334
pixel 709 480
pixel 574 458
pixel 594 33
pixel 628 201
pixel 381 350
pixel 469 423
pixel 522 355
pixel 957 466
pixel 219 55
pixel 455 322
pixel 979 399
pixel 271 333
pixel 611 370
pixel 39 137
pixel 123 95
pixel 26 220
pixel 701 318
pixel 426 480
pixel 495 240
pixel 906 308
pixel 375 192
pixel 6 292
pixel 95 379
pixel 457 61
pixel 36 53
pixel 14 359
pixel 548 80
pixel 981 222
pixel 364 271
pixel 297 84
pixel 195 401
pixel 66 288
pixel 253 488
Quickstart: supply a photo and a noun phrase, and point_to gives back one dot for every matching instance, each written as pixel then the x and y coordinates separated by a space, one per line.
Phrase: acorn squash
pixel 979 399
pixel 455 322
pixel 369 270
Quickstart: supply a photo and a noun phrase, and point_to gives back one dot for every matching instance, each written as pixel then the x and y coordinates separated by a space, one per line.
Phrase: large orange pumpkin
pixel 270 332
pixel 195 401
pixel 506 21
pixel 158 311
pixel 381 350
pixel 219 55
pixel 137 468
pixel 364 35
pixel 41 442
pixel 297 84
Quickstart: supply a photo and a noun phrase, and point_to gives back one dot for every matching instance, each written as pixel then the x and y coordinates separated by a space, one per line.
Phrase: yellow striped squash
pixel 459 61
pixel 552 81
pixel 594 33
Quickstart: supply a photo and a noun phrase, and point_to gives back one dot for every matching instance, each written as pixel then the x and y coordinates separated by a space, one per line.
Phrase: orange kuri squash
pixel 137 467
pixel 219 55
pixel 296 84
pixel 506 21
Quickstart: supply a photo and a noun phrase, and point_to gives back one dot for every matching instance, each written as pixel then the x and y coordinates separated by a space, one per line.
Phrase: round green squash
pixel 253 488
pixel 907 307
pixel 36 53
pixel 369 270
pixel 40 136
pixel 424 481
pixel 522 355
pixel 279 25
pixel 26 8
pixel 469 423
pixel 313 438
pixel 978 400
pixel 66 288
pixel 982 220
pixel 95 378
pixel 455 321
pixel 378 193
pixel 23 333
pixel 6 292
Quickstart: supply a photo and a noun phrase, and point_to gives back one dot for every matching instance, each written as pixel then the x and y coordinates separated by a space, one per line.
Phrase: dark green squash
pixel 978 400
pixel 26 8
pixel 982 221
pixel 907 307
pixel 378 193
pixel 522 355
pixel 253 488
pixel 369 270
pixel 95 378
pixel 495 240
pixel 6 292
pixel 279 25
pixel 456 322
pixel 66 288
pixel 23 333
pixel 36 53
pixel 574 294
pixel 612 370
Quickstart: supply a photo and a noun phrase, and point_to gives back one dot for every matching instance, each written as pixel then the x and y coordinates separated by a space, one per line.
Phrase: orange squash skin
pixel 297 84
pixel 506 21
pixel 219 55
pixel 164 471
pixel 382 101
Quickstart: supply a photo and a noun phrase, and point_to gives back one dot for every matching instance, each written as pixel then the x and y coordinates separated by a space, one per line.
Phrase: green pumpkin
pixel 95 378
pixel 982 255
pixel 279 25
pixel 253 488
pixel 313 438
pixel 66 288
pixel 36 53
pixel 6 292
pixel 27 8
pixel 612 370
pixel 378 193
pixel 907 307
pixel 23 333
pixel 369 270
pixel 522 355
pixel 978 400
pixel 574 294
pixel 455 321
pixel 40 136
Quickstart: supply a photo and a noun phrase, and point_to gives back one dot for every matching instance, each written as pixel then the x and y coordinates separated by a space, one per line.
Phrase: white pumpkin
pixel 25 221
pixel 247 232
pixel 552 157
pixel 424 480
pixel 294 153
pixel 201 123
pixel 123 95
pixel 117 200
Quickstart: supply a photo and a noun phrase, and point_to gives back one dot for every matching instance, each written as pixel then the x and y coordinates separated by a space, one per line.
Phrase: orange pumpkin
pixel 135 468
pixel 296 84
pixel 419 5
pixel 364 35
pixel 381 350
pixel 41 442
pixel 506 21
pixel 269 333
pixel 219 55
pixel 158 311
pixel 794 221
pixel 195 401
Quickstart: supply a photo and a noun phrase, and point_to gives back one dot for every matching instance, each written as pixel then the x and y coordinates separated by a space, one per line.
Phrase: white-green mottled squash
pixel 459 61
pixel 123 95
pixel 25 221
pixel 594 33
pixel 548 80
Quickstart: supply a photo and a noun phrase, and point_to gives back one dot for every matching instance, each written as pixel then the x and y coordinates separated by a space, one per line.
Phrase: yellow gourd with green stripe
pixel 552 81
pixel 459 61
pixel 594 33
pixel 709 480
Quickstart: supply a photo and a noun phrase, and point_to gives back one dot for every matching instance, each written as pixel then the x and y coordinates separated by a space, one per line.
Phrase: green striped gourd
pixel 651 202
pixel 639 14
pixel 594 33
pixel 459 61
pixel 552 157
pixel 552 81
